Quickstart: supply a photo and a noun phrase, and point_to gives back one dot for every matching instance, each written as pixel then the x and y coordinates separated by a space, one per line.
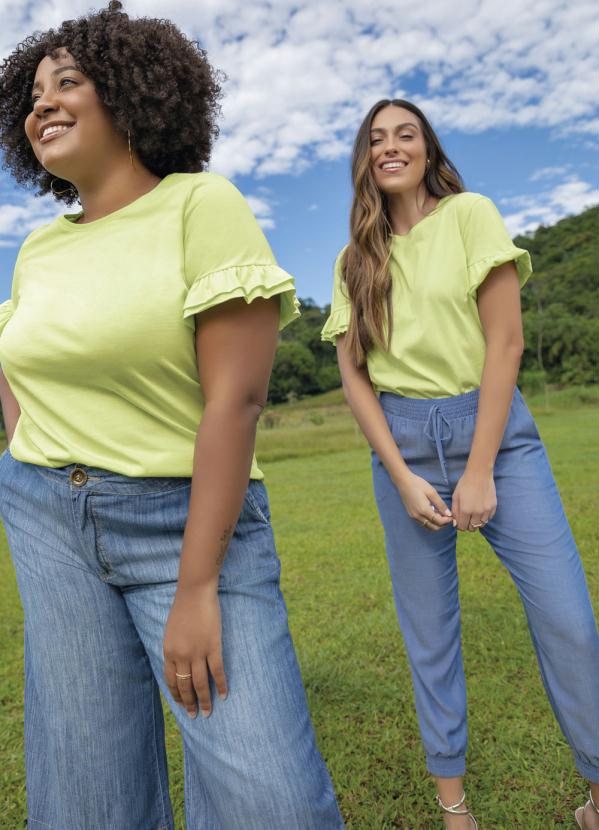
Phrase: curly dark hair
pixel 154 81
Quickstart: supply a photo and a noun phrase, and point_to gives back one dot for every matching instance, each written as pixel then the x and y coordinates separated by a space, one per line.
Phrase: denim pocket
pixel 382 483
pixel 3 456
pixel 256 499
pixel 521 427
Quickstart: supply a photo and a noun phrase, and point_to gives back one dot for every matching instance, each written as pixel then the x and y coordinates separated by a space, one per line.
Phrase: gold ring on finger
pixel 182 676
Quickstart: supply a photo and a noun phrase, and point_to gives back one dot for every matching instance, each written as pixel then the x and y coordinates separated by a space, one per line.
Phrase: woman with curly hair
pixel 426 320
pixel 141 538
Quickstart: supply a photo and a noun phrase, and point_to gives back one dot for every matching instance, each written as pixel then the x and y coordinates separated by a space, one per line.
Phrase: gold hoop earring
pixel 130 153
pixel 70 190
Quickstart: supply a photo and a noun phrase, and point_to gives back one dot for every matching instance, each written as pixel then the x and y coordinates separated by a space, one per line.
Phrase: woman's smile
pixel 393 166
pixel 53 130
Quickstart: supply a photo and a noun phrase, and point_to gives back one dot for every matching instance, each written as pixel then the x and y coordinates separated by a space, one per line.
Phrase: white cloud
pixel 262 210
pixel 567 198
pixel 19 218
pixel 549 173
pixel 303 73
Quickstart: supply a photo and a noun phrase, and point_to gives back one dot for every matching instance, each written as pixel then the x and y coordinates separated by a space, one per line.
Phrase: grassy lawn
pixel 351 653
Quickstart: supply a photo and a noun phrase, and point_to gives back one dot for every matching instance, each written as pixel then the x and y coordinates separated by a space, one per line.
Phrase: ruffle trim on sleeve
pixel 6 312
pixel 247 281
pixel 337 323
pixel 478 271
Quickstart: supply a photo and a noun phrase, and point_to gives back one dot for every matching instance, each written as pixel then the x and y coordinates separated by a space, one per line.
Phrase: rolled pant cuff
pixel 587 771
pixel 446 767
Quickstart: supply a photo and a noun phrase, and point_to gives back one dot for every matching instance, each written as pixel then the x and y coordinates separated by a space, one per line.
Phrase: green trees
pixel 304 365
pixel 560 302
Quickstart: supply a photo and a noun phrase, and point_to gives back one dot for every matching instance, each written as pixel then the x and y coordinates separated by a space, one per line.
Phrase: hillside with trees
pixel 559 305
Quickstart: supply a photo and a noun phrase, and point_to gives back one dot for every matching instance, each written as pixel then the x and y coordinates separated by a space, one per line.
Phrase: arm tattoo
pixel 223 544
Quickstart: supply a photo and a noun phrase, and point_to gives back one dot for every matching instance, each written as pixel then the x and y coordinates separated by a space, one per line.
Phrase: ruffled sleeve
pixel 6 311
pixel 489 245
pixel 247 281
pixel 339 317
pixel 226 253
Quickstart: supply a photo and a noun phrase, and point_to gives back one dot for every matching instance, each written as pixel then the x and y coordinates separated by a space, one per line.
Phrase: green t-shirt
pixel 98 338
pixel 437 344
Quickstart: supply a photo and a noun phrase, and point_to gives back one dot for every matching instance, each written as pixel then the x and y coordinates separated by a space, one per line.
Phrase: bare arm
pixel 417 494
pixel 498 301
pixel 10 407
pixel 235 346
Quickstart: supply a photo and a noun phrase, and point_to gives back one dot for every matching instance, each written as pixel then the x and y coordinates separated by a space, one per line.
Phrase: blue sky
pixel 510 88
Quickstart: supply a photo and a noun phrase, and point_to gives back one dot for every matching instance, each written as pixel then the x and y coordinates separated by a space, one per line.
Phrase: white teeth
pixel 393 165
pixel 56 129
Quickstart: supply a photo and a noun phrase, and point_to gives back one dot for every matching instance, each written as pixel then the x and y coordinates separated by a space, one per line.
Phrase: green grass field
pixel 354 667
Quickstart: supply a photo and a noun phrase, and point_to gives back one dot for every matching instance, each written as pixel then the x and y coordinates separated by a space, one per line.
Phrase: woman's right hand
pixel 423 503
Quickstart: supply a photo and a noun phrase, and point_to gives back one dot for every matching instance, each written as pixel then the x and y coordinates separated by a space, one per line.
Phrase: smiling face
pixel 68 127
pixel 398 150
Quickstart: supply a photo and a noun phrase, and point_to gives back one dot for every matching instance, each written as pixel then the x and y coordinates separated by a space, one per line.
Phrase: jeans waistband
pixel 418 409
pixel 96 479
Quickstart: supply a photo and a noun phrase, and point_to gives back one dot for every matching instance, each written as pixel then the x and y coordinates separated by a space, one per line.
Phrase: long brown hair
pixel 365 263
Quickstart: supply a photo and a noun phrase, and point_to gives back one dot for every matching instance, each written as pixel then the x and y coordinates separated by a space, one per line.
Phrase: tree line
pixel 559 311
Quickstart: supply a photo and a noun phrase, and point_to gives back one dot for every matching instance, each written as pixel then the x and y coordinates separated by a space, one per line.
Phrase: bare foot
pixel 453 822
pixel 587 817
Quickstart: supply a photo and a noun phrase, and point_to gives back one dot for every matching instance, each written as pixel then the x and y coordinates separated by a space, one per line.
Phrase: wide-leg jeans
pixel 96 557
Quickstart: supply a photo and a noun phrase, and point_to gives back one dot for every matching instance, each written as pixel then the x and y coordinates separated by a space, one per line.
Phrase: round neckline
pixel 67 219
pixel 441 202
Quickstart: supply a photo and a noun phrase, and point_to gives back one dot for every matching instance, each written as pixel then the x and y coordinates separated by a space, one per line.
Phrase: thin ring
pixel 182 676
pixel 480 524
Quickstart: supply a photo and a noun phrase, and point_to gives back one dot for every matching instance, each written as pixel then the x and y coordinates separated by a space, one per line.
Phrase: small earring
pixel 428 161
pixel 70 190
pixel 130 153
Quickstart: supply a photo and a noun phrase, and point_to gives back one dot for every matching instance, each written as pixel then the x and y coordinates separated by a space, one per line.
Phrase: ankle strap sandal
pixel 455 811
pixel 579 814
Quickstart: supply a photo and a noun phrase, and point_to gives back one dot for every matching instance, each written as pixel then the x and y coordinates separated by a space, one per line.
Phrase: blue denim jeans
pixel 96 556
pixel 531 536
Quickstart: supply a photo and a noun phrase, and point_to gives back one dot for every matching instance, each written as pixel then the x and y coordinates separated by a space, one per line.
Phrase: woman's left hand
pixel 474 501
pixel 192 649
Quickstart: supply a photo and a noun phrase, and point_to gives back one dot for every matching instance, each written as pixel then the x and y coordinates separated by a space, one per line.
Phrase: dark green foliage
pixel 304 365
pixel 293 373
pixel 560 302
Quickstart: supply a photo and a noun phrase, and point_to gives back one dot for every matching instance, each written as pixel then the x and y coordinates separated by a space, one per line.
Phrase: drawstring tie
pixel 434 429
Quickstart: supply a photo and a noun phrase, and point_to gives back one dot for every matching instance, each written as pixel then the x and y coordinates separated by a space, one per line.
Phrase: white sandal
pixel 456 812
pixel 579 814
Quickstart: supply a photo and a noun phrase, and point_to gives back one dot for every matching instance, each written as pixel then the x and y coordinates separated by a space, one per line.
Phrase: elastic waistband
pixel 418 409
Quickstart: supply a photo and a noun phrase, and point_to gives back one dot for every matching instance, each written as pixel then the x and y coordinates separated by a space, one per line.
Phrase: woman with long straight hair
pixel 426 319
pixel 136 350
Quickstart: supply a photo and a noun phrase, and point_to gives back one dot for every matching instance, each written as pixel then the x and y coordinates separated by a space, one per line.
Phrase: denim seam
pixel 101 552
pixel 160 491
pixel 156 762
